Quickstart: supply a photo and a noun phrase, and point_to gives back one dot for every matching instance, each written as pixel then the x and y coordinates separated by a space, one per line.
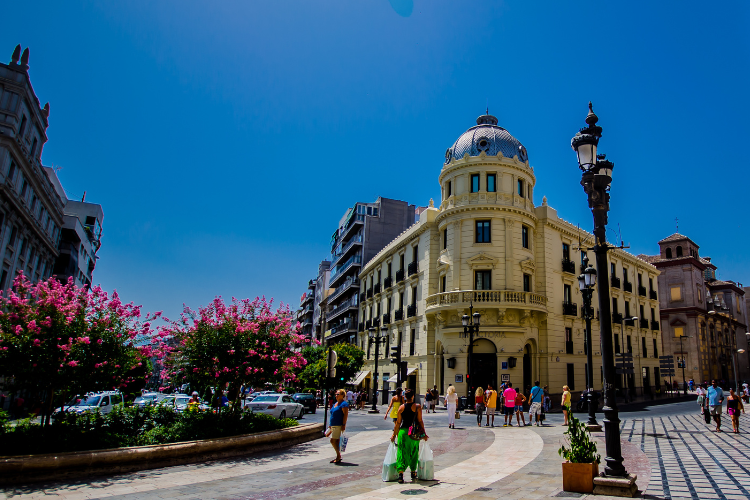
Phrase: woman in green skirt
pixel 408 447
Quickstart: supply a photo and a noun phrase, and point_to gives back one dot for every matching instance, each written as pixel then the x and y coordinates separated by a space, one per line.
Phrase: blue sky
pixel 226 139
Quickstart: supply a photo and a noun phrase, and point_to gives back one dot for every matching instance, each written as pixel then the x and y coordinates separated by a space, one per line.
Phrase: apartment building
pixel 362 232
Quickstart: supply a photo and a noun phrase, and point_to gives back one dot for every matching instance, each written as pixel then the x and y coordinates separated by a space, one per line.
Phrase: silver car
pixel 277 405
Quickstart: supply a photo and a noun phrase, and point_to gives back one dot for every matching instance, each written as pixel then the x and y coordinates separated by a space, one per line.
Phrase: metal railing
pixel 341 308
pixel 350 281
pixel 654 325
pixel 387 319
pixel 644 323
pixel 653 295
pixel 388 282
pixel 399 276
pixel 617 318
pixel 570 309
pixel 568 266
pixel 354 259
pixel 356 239
pixel 627 286
pixel 344 325
pixel 413 268
pixel 398 314
pixel 411 311
pixel 641 290
pixel 376 288
pixel 615 281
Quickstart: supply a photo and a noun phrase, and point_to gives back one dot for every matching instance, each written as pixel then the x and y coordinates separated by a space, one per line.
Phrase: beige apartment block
pixel 488 246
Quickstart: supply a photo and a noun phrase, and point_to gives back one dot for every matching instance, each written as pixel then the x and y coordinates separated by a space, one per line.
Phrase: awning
pixel 359 378
pixel 394 378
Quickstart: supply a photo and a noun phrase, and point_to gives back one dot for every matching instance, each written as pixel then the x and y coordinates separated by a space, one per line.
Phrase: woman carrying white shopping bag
pixel 410 430
pixel 451 402
pixel 425 464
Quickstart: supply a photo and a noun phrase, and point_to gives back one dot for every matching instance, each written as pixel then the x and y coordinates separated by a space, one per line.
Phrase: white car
pixel 277 405
pixel 102 401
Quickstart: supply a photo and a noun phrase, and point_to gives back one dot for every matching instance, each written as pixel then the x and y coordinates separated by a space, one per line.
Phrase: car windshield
pixel 303 396
pixel 141 399
pixel 182 401
pixel 266 399
pixel 90 401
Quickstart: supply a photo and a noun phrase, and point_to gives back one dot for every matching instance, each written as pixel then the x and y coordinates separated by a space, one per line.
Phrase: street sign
pixel 332 359
pixel 667 373
pixel 624 371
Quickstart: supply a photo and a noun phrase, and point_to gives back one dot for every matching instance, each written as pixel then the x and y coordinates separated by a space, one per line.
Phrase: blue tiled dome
pixel 488 137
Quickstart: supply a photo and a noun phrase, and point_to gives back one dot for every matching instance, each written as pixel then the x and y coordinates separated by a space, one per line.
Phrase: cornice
pixel 469 208
pixel 484 160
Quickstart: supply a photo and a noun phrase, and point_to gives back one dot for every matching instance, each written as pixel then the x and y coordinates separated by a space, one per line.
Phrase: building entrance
pixel 483 366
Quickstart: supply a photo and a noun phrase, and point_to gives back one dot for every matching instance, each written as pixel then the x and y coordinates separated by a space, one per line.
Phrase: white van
pixel 103 401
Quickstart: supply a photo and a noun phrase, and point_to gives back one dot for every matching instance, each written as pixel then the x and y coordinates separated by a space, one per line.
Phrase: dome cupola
pixel 486 136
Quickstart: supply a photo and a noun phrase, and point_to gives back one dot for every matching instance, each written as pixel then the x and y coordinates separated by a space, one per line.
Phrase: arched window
pixel 669 253
pixel 679 251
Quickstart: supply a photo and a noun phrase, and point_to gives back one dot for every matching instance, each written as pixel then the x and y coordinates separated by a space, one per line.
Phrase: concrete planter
pixel 32 468
pixel 579 477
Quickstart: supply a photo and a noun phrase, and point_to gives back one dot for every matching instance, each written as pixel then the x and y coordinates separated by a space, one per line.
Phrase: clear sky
pixel 225 140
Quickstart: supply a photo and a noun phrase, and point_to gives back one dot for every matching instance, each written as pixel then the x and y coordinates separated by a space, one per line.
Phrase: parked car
pixel 307 400
pixel 102 401
pixel 145 399
pixel 172 400
pixel 277 405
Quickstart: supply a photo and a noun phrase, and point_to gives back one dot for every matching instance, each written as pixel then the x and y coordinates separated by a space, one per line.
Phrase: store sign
pixel 459 379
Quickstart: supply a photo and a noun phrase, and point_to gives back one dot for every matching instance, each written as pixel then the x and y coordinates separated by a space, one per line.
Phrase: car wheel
pixel 282 414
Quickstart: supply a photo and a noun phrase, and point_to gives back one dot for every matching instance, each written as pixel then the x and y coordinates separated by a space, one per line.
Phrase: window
pixel 627 309
pixel 401 300
pixel 445 238
pixel 527 282
pixel 415 253
pixel 482 280
pixel 401 262
pixel 669 253
pixel 3 279
pixel 566 251
pixel 567 294
pixel 643 345
pixel 520 187
pixel 640 279
pixel 450 188
pixel 474 183
pixel 483 231
pixel 414 296
pixel 13 234
pixel 389 270
pixel 617 343
pixel 442 284
pixel 491 187
pixel 675 293
pixel 679 251
pixel 643 314
pixel 614 305
pixel 613 270
pixel 24 186
pixel 630 346
pixel 656 351
pixel 11 170
pixel 678 331
pixel 525 236
pixel 583 256
pixel 571 377
pixel 568 341
pixel 33 148
pixel 651 284
pixel 653 315
pixel 412 337
pixel 22 130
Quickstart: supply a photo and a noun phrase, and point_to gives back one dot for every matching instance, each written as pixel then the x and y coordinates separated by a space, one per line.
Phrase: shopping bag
pixel 425 463
pixel 458 415
pixel 343 441
pixel 389 464
pixel 707 415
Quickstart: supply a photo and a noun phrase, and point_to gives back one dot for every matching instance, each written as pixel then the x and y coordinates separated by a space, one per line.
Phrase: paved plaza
pixel 675 454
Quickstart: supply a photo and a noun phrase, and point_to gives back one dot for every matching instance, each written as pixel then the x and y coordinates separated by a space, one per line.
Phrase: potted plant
pixel 582 464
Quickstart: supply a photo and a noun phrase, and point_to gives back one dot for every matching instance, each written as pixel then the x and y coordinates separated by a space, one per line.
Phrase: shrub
pixel 582 449
pixel 131 426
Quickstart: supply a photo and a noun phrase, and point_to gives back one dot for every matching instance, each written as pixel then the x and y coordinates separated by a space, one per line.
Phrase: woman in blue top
pixel 337 422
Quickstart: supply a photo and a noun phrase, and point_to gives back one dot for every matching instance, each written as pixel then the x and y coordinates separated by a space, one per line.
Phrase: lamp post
pixel 471 326
pixel 376 338
pixel 684 382
pixel 737 352
pixel 586 283
pixel 596 179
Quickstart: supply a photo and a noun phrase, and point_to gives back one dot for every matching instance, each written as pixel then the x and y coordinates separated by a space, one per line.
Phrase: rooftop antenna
pixel 677 224
pixel 487 112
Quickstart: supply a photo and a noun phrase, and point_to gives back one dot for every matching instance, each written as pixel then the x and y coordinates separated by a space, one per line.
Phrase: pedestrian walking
pixel 490 401
pixel 565 403
pixel 479 404
pixel 509 397
pixel 337 422
pixel 715 399
pixel 520 416
pixel 734 406
pixel 535 401
pixel 396 401
pixel 435 397
pixel 410 429
pixel 745 393
pixel 701 393
pixel 428 400
pixel 451 402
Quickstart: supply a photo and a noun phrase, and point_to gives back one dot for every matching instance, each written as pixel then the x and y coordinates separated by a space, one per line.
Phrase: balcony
pixel 413 268
pixel 338 272
pixel 369 293
pixel 368 324
pixel 568 347
pixel 614 281
pixel 355 220
pixel 629 322
pixel 349 283
pixel 641 290
pixel 568 266
pixel 341 327
pixel 311 284
pixel 398 314
pixel 653 294
pixel 357 240
pixel 387 319
pixel 376 322
pixel 362 296
pixel 654 325
pixel 344 306
pixel 399 276
pixel 361 326
pixel 628 286
pixel 570 309
pixel 525 300
pixel 591 311
pixel 644 323
pixel 388 282
pixel 411 311
pixel 617 318
pixel 377 288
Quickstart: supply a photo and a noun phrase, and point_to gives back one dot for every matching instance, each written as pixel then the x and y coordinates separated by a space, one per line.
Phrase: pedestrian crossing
pixel 689 460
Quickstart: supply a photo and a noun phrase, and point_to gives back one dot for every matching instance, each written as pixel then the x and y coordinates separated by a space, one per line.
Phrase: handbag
pixel 707 415
pixel 458 415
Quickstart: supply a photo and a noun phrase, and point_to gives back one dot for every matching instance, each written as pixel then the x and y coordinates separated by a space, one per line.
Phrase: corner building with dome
pixel 487 245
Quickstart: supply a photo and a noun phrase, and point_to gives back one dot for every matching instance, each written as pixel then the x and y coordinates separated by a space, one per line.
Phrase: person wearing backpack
pixel 410 430
pixel 535 400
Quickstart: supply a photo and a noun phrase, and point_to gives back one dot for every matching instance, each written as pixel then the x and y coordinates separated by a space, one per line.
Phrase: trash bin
pixel 462 403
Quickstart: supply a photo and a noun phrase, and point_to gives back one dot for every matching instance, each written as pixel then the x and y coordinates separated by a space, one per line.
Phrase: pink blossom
pixel 73 363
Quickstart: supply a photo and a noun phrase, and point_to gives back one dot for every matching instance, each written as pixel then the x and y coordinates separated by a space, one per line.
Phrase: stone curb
pixel 34 468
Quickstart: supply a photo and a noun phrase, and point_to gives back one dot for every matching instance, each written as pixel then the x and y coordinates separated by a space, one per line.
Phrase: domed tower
pixel 487 198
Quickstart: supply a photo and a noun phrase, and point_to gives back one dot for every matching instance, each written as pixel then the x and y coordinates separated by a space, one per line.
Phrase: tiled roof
pixel 706 262
pixel 649 258
pixel 674 237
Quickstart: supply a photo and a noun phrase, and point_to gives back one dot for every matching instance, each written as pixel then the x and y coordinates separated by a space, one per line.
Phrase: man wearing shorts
pixel 509 395
pixel 535 399
pixel 490 401
pixel 520 417
pixel 715 399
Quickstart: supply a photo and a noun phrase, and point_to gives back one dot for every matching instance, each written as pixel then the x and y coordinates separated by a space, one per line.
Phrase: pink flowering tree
pixel 58 340
pixel 244 343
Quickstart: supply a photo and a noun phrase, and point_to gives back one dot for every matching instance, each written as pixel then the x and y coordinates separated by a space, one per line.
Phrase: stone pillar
pixel 456 257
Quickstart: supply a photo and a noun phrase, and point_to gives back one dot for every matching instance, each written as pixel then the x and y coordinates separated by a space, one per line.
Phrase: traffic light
pixel 396 355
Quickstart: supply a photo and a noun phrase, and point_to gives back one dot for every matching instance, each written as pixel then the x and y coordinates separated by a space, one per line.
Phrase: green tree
pixel 350 361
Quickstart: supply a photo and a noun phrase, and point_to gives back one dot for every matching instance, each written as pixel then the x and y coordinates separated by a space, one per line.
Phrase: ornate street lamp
pixel 586 283
pixel 471 326
pixel 596 179
pixel 376 339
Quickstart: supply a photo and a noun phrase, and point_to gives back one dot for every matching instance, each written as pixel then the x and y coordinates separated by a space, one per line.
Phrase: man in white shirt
pixel 350 397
